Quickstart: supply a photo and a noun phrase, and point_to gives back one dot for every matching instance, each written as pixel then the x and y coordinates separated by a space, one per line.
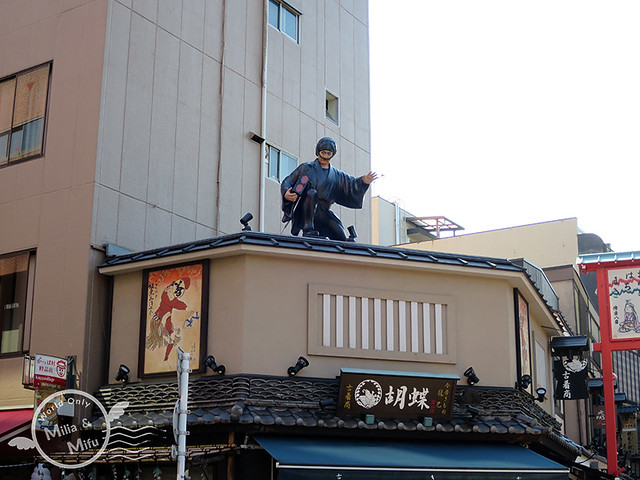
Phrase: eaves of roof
pixel 283 404
pixel 314 244
pixel 321 245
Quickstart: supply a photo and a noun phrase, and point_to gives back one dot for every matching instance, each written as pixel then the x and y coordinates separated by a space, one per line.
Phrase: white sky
pixel 503 113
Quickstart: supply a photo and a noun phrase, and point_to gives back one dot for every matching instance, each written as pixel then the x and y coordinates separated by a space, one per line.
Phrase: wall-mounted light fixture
pixel 245 222
pixel 210 362
pixel 473 411
pixel 541 392
pixel 300 364
pixel 524 382
pixel 123 374
pixel 326 403
pixel 472 378
pixel 256 138
pixel 352 233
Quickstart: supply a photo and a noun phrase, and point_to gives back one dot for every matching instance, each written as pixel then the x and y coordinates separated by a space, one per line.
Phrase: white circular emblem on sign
pixel 368 393
pixel 71 433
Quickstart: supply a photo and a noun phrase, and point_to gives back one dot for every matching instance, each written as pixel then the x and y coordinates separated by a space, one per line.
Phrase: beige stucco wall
pixel 184 91
pixel 259 312
pixel 546 244
pixel 46 202
pixel 147 139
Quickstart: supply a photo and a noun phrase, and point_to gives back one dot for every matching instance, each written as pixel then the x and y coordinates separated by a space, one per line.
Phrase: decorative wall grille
pixel 381 324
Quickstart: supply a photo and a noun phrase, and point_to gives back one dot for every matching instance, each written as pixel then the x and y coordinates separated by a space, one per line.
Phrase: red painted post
pixel 607 372
pixel 608 344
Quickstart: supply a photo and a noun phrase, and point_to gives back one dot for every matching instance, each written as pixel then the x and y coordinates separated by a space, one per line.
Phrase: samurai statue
pixel 310 190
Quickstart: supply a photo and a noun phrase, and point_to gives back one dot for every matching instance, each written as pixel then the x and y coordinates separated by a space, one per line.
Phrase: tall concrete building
pixel 134 124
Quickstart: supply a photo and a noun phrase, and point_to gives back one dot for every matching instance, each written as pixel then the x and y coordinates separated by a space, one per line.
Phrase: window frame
pixel 25 335
pixel 14 129
pixel 280 176
pixel 332 107
pixel 282 8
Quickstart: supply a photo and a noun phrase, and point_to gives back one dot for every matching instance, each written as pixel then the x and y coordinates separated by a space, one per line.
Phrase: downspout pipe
pixel 221 96
pixel 263 113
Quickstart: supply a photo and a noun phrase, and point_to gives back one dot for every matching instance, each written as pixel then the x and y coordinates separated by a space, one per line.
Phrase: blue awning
pixel 331 458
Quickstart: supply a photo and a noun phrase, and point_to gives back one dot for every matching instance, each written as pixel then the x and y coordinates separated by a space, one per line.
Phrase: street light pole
pixel 180 430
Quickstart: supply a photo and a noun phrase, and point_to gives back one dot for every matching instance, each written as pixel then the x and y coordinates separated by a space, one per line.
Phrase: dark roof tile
pixel 315 244
pixel 280 402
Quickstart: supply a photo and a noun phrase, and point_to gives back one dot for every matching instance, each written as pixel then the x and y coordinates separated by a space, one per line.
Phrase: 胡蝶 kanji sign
pixel 396 394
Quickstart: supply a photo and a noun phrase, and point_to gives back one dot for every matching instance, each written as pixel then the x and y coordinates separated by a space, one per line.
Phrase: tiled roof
pixel 280 402
pixel 313 244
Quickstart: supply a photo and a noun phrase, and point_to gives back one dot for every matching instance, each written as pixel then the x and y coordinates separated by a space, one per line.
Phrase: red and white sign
pixel 50 371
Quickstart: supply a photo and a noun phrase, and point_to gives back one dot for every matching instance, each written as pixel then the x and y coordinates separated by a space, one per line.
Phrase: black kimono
pixel 318 189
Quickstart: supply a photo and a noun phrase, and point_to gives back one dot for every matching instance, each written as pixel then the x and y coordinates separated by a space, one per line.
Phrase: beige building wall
pixel 185 89
pixel 147 140
pixel 554 247
pixel 546 244
pixel 46 202
pixel 260 326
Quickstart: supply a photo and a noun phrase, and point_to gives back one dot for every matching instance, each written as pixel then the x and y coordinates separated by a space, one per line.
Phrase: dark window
pixel 23 107
pixel 331 107
pixel 14 293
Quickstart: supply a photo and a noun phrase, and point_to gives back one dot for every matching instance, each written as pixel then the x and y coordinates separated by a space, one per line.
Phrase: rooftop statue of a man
pixel 310 190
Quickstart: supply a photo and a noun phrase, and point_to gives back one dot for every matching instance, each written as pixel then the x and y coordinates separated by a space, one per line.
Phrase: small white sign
pixel 50 371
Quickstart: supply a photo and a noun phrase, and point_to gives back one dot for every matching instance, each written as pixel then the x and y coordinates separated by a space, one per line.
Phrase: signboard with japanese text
pixel 624 302
pixel 50 372
pixel 629 432
pixel 396 394
pixel 570 374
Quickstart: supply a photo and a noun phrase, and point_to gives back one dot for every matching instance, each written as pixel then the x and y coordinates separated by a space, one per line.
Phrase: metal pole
pixel 183 383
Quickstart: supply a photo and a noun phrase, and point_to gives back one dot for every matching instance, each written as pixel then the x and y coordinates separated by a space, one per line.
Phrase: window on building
pixel 541 366
pixel 331 107
pixel 16 279
pixel 280 164
pixel 284 18
pixel 23 105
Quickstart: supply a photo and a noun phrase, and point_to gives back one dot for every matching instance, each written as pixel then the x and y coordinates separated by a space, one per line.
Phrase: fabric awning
pixel 331 458
pixel 12 419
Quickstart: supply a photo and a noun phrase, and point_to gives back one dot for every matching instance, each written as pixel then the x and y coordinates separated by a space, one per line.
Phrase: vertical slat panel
pixel 390 337
pixel 377 324
pixel 439 333
pixel 339 321
pixel 402 325
pixel 352 322
pixel 426 319
pixel 365 323
pixel 414 327
pixel 326 320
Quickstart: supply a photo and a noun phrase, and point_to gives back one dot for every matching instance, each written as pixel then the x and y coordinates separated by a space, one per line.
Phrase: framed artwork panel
pixel 523 338
pixel 624 303
pixel 174 315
